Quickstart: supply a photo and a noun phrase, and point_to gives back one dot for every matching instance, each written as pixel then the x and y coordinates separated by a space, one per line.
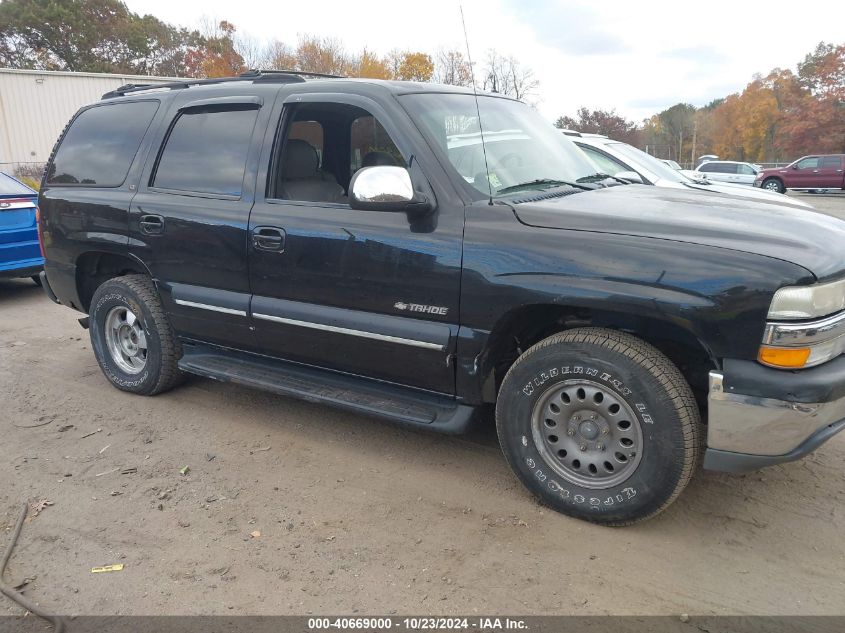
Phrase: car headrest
pixel 378 158
pixel 300 160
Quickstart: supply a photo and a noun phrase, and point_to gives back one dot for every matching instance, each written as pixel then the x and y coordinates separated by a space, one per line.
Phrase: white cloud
pixel 637 57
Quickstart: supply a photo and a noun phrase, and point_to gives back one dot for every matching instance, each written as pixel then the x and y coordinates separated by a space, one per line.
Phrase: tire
pixel 773 184
pixel 137 354
pixel 644 452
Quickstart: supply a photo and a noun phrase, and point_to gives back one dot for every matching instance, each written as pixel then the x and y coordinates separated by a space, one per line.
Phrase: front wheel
pixel 600 425
pixel 132 338
pixel 773 184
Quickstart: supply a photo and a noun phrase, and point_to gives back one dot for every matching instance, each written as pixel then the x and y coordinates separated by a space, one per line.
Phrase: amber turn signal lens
pixel 786 357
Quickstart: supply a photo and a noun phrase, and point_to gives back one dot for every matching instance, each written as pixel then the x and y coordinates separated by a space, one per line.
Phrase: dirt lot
pixel 296 508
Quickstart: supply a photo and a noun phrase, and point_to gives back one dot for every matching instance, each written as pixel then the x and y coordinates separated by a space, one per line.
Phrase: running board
pixel 397 404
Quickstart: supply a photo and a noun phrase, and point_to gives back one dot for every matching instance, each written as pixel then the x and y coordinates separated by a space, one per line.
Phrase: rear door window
pixel 100 145
pixel 206 151
pixel 830 162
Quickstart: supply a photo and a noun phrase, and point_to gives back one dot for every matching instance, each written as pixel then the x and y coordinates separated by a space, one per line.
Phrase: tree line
pixel 105 36
pixel 776 118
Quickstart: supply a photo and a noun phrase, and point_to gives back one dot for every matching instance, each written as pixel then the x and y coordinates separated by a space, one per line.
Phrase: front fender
pixel 716 295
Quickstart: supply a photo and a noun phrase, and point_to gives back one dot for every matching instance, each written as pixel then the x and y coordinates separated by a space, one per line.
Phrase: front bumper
pixel 758 416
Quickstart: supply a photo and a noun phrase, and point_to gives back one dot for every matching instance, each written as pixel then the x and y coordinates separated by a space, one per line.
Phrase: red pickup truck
pixel 809 172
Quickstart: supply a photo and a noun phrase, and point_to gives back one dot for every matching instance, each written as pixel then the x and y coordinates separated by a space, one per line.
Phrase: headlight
pixel 797 345
pixel 808 302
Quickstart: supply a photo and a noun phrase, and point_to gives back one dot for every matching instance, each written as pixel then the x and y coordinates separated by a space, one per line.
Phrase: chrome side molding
pixel 349 331
pixel 206 306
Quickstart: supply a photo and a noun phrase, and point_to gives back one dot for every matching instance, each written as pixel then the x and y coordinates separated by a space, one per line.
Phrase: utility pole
pixel 694 135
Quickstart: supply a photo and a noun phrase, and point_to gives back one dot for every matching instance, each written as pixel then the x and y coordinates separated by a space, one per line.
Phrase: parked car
pixel 674 165
pixel 727 171
pixel 319 239
pixel 626 161
pixel 810 172
pixel 705 158
pixel 20 255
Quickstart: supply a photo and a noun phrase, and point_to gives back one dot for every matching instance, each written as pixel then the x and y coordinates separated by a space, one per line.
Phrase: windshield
pixel 649 162
pixel 523 150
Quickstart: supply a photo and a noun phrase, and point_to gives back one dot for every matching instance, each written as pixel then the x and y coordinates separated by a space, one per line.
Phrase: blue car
pixel 20 254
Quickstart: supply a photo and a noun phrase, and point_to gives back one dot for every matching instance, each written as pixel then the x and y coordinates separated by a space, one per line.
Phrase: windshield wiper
pixel 700 181
pixel 543 182
pixel 599 176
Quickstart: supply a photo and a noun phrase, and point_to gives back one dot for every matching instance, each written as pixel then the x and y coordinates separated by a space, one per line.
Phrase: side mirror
pixel 630 176
pixel 385 188
pixel 795 166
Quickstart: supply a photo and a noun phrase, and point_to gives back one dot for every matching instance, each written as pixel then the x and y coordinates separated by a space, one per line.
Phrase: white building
pixel 35 106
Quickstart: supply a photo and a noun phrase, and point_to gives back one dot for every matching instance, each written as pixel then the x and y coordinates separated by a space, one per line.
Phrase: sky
pixel 637 57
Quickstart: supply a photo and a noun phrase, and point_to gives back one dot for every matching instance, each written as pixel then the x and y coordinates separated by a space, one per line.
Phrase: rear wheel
pixel 600 425
pixel 773 184
pixel 132 338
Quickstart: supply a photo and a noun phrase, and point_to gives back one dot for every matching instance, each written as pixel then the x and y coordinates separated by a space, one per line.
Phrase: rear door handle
pixel 268 238
pixel 152 224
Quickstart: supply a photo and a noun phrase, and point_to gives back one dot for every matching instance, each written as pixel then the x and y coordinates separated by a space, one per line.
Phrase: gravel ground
pixel 290 507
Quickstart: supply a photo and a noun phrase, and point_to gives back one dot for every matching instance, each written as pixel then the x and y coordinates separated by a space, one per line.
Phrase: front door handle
pixel 268 238
pixel 152 224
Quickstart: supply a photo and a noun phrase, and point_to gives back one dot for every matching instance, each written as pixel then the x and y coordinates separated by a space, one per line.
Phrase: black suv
pixel 365 244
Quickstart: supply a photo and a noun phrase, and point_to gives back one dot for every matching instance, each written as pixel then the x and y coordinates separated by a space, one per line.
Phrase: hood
pixel 771 171
pixel 801 236
pixel 744 191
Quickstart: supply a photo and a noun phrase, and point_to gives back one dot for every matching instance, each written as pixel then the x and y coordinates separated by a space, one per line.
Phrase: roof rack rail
pixel 253 72
pixel 281 76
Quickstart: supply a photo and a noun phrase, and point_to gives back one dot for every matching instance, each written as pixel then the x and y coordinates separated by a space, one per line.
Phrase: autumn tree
pixel 653 137
pixel 279 56
pixel 816 123
pixel 823 71
pixel 606 122
pixel 370 65
pixel 322 55
pixel 415 67
pixel 216 55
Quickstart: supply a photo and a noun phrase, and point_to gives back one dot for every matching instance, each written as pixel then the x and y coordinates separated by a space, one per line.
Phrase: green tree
pixel 678 122
pixel 89 35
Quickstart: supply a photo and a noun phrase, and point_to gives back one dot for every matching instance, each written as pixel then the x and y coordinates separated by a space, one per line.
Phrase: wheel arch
pixel 774 177
pixel 95 267
pixel 522 327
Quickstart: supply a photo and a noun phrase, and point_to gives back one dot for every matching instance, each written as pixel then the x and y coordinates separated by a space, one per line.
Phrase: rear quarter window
pixel 100 145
